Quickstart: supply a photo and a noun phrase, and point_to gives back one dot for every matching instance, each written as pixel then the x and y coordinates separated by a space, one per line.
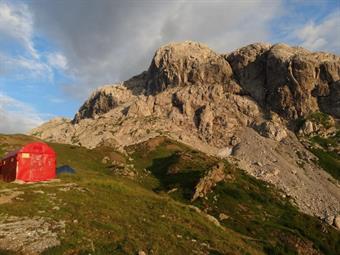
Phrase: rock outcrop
pixel 318 124
pixel 249 66
pixel 272 129
pixel 239 105
pixel 209 181
pixel 330 102
pixel 288 80
pixel 337 222
pixel 188 63
pixel 102 101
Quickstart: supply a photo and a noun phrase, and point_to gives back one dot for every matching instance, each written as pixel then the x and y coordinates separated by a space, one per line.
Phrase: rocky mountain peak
pixel 290 81
pixel 186 63
pixel 103 100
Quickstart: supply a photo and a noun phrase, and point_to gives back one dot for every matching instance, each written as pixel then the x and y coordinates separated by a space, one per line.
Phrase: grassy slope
pixel 112 215
pixel 328 160
pixel 254 208
pixel 118 216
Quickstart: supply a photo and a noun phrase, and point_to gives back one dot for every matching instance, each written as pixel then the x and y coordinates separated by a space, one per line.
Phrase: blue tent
pixel 65 169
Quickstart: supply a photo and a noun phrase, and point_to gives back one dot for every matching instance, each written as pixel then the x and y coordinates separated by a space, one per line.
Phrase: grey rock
pixel 209 181
pixel 337 221
pixel 185 63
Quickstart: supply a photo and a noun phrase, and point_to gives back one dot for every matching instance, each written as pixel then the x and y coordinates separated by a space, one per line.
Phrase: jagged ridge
pixel 288 80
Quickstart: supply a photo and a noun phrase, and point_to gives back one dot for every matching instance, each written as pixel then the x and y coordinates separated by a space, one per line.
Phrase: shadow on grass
pixel 185 179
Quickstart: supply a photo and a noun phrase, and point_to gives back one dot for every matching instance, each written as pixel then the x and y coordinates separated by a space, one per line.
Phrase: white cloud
pixel 21 67
pixel 17 117
pixel 21 61
pixel 18 55
pixel 57 60
pixel 323 36
pixel 16 22
pixel 109 41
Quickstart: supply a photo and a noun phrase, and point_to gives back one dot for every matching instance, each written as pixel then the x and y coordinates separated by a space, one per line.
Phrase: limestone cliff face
pixel 237 105
pixel 288 80
pixel 188 63
pixel 102 101
pixel 249 66
pixel 330 102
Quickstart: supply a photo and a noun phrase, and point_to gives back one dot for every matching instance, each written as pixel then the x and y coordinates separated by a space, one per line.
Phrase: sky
pixel 54 53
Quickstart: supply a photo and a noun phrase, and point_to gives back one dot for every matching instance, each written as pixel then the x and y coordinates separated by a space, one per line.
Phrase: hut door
pixel 37 166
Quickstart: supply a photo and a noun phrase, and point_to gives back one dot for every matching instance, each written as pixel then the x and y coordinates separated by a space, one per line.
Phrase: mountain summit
pixel 288 80
pixel 255 106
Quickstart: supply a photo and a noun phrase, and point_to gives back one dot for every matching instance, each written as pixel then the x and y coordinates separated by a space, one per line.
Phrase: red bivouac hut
pixel 32 163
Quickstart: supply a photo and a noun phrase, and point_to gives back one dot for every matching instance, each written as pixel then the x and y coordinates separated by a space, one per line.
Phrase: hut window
pixel 25 155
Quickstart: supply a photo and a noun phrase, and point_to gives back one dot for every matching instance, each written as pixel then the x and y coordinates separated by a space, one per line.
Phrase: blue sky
pixel 54 53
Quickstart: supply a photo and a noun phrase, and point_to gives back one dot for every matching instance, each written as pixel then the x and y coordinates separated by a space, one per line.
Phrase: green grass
pixel 255 209
pixel 113 215
pixel 316 117
pixel 328 160
pixel 168 158
pixel 320 118
pixel 327 142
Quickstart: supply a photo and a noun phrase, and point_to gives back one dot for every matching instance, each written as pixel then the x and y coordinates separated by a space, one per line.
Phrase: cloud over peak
pixel 113 40
pixel 322 36
pixel 17 117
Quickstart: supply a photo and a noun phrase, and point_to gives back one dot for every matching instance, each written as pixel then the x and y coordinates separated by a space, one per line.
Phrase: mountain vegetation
pixel 142 201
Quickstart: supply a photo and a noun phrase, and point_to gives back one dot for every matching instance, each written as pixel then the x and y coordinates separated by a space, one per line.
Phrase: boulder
pixel 106 160
pixel 272 130
pixel 307 128
pixel 337 222
pixel 225 152
pixel 205 185
pixel 318 124
pixel 223 216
